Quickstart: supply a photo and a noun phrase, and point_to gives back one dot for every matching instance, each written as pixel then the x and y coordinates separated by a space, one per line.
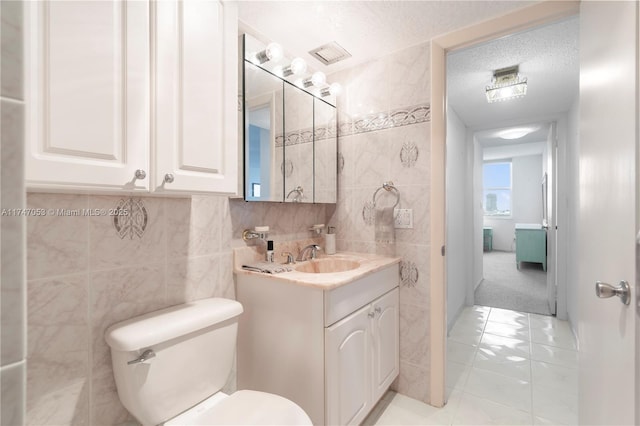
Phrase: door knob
pixel 604 291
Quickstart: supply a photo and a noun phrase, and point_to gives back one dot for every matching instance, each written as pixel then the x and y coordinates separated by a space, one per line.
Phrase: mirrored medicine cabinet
pixel 290 136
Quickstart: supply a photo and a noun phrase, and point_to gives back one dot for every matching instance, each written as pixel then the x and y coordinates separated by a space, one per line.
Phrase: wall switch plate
pixel 403 218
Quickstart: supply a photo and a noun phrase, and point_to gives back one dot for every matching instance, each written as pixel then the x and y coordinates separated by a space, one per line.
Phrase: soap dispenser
pixel 330 241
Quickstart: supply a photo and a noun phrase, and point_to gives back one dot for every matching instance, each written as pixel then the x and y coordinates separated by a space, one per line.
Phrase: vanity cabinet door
pixel 348 369
pixel 87 94
pixel 386 342
pixel 194 64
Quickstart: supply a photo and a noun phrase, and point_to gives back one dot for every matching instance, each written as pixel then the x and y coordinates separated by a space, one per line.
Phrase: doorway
pixel 501 174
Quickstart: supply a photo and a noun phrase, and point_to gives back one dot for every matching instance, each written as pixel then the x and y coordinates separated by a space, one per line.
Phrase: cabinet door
pixel 195 60
pixel 386 342
pixel 348 369
pixel 88 98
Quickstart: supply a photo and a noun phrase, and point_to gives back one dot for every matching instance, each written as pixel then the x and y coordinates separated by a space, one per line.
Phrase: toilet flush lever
pixel 146 355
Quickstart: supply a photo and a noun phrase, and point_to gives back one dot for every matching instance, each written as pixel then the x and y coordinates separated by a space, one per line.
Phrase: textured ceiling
pixel 547 56
pixel 367 29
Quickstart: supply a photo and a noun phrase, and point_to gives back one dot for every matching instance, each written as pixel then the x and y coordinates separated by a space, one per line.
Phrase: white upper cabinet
pixel 195 80
pixel 88 95
pixel 121 86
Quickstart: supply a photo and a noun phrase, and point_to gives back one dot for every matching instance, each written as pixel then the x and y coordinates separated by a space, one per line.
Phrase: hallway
pixel 504 367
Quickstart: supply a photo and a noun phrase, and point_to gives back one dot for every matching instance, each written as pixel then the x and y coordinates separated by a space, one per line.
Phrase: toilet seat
pixel 245 407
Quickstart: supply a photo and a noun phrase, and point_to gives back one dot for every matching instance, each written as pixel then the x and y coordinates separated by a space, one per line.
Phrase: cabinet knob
pixel 140 174
pixel 378 309
pixel 372 314
pixel 168 178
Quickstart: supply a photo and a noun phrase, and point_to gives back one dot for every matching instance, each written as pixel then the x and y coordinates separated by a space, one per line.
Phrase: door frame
pixel 519 20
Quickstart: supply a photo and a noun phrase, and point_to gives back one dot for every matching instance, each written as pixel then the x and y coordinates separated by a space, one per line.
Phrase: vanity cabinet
pixel 332 351
pixel 361 360
pixel 134 96
pixel 531 246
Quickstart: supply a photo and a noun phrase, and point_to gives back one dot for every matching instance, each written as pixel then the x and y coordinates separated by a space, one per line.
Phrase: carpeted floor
pixel 505 286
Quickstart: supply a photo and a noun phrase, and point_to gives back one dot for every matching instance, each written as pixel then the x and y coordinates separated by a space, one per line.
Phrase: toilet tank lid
pixel 166 324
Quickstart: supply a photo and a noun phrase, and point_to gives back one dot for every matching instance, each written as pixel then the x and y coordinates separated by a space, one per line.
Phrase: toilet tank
pixel 194 346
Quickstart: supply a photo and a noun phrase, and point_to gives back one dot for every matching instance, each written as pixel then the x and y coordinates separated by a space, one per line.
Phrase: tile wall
pixel 384 135
pixel 12 223
pixel 83 277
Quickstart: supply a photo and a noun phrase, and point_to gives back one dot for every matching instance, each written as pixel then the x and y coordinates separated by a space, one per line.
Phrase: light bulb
pixel 273 52
pixel 334 89
pixel 318 78
pixel 298 66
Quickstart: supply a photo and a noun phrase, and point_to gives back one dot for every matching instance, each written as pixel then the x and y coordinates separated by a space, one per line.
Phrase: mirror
pixel 264 151
pixel 298 142
pixel 290 137
pixel 325 149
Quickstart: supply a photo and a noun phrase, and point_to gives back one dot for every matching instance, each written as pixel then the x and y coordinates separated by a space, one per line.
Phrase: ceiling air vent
pixel 330 53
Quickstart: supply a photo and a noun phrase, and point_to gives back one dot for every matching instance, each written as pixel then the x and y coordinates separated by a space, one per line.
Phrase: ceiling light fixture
pixel 317 79
pixel 506 84
pixel 515 133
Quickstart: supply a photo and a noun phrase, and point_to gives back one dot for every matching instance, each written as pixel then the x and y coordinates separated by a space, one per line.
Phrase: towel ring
pixel 387 186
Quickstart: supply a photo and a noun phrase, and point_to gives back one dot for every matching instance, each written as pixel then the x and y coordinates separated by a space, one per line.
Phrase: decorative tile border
pixel 134 223
pixel 386 120
pixel 302 136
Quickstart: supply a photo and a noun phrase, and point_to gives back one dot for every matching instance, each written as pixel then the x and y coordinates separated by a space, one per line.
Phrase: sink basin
pixel 326 266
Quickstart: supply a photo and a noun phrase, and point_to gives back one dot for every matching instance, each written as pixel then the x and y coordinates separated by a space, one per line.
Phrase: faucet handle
pixel 314 251
pixel 289 255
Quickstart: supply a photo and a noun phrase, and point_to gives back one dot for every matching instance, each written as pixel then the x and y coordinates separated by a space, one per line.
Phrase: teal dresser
pixel 531 244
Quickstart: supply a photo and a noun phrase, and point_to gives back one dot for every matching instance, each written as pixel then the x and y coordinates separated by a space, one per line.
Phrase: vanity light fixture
pixel 317 79
pixel 506 84
pixel 334 89
pixel 273 52
pixel 297 66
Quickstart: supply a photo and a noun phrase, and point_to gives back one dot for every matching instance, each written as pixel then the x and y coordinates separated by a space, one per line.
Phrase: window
pixel 496 194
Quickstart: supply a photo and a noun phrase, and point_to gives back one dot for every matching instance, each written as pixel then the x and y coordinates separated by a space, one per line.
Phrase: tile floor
pixel 504 367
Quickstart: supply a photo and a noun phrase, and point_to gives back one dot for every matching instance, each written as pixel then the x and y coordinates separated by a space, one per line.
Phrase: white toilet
pixel 170 365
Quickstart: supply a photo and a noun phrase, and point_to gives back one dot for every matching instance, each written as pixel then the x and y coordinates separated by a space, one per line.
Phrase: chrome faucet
pixel 311 247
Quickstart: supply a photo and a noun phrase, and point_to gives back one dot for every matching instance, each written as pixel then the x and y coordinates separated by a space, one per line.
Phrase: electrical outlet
pixel 403 218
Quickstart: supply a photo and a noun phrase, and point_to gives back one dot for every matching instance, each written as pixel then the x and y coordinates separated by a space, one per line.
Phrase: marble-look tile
pixel 414 332
pixel 12 234
pixel 460 353
pixel 107 250
pixel 498 388
pixel 416 136
pixel 118 295
pixel 415 197
pixel 475 410
pixel 225 225
pixel 11 63
pixel 563 379
pixel 192 226
pixel 413 382
pixel 367 159
pixel 407 76
pixel 505 346
pixel 58 317
pixel 515 331
pixel 509 317
pixel 357 98
pixel 541 421
pixel 554 355
pixel 415 292
pixel 226 287
pixel 106 408
pixel 56 245
pixel 58 390
pixel 557 406
pixel 193 279
pixel 12 394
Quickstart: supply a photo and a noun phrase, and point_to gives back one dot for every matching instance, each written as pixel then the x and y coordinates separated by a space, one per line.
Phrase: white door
pixel 88 94
pixel 608 197
pixel 348 367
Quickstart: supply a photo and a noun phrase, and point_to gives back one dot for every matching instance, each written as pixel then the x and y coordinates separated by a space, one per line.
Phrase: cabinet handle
pixel 168 178
pixel 140 174
pixel 372 314
pixel 378 309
